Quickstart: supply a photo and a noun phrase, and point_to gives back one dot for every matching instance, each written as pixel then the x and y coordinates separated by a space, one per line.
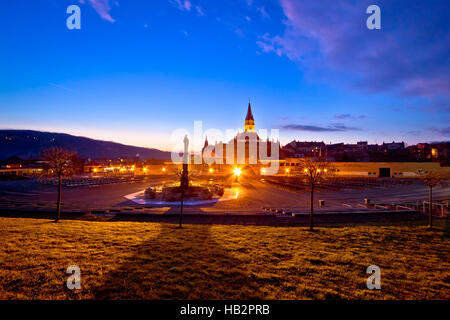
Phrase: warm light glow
pixel 237 171
pixel 211 170
pixel 318 170
pixel 306 170
pixel 263 170
pixel 164 169
pixel 145 169
pixel 287 170
pixel 325 170
pixel 95 170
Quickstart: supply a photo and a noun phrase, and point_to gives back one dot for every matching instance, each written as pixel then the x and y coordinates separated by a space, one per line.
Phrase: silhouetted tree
pixel 59 162
pixel 313 171
pixel 432 179
pixel 184 176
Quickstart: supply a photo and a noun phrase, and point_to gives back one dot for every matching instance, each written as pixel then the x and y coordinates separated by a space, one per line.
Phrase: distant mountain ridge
pixel 26 143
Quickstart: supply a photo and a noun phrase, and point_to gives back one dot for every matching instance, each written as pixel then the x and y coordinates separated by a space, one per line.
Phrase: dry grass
pixel 157 261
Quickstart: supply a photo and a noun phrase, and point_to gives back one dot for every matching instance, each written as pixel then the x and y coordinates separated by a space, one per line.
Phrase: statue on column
pixel 184 180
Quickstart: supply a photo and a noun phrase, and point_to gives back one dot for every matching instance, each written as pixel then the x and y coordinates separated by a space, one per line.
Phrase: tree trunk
pixel 58 202
pixel 311 224
pixel 430 200
pixel 181 210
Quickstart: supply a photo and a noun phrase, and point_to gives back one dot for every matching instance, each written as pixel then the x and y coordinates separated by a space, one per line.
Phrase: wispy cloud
pixel 331 128
pixel 263 12
pixel 61 87
pixel 445 132
pixel 199 10
pixel 348 116
pixel 102 7
pixel 182 4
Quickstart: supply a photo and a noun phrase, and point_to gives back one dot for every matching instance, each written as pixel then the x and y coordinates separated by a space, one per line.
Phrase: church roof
pixel 249 113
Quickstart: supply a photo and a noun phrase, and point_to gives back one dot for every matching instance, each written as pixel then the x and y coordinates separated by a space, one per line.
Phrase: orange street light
pixel 237 171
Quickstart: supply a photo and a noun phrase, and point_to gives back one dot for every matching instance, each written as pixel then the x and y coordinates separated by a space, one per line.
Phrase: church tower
pixel 249 121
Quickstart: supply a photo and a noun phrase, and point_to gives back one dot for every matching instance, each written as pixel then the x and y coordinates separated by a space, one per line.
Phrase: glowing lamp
pixel 237 171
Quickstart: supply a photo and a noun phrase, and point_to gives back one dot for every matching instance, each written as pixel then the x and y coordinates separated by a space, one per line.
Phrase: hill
pixel 26 143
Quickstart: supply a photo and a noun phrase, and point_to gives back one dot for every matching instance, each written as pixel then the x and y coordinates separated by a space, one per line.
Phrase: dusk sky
pixel 138 70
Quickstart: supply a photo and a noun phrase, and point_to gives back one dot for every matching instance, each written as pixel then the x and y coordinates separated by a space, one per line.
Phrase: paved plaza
pixel 248 196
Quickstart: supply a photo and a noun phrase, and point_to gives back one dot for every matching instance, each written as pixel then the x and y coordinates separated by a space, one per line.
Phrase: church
pixel 245 149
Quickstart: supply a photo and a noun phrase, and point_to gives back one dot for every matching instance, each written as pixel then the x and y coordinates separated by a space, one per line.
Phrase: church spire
pixel 249 121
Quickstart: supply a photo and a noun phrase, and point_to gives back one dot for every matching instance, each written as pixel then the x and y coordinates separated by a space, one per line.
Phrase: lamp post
pixel 184 179
pixel 237 172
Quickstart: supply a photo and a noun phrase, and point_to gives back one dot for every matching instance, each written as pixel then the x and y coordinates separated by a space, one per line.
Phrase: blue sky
pixel 138 70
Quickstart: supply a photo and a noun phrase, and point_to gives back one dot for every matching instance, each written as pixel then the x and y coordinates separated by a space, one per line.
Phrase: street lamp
pixel 237 172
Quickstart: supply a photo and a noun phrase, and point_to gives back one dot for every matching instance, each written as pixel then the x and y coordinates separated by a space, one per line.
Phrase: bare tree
pixel 431 179
pixel 313 171
pixel 59 162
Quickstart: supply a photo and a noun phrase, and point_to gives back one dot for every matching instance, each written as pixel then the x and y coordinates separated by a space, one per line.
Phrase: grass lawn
pixel 123 260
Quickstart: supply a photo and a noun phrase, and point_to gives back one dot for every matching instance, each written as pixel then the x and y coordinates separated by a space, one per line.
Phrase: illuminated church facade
pixel 247 149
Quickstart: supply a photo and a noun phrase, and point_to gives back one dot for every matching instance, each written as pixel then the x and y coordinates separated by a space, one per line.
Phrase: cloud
pixel 239 32
pixel 348 116
pixel 199 10
pixel 331 128
pixel 445 132
pixel 407 57
pixel 263 12
pixel 102 7
pixel 183 5
pixel 61 87
pixel 414 132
